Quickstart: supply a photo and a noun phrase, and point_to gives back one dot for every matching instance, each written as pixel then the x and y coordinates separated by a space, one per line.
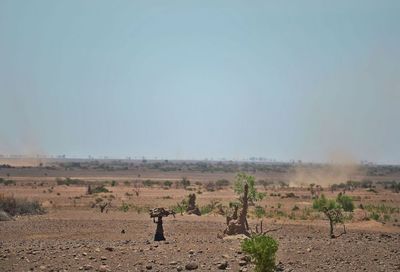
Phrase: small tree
pixel 241 180
pixel 262 249
pixel 332 210
pixel 237 224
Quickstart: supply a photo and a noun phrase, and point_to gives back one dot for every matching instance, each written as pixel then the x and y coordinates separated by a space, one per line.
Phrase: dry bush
pixel 18 206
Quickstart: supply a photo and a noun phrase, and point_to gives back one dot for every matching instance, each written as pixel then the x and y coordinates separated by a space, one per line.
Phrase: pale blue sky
pixel 310 80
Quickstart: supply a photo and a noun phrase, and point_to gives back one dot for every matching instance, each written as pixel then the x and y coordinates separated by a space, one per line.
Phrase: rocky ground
pixel 117 241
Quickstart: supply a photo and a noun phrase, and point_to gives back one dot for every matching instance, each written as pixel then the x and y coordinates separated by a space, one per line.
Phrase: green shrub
pixel 259 211
pixel 346 202
pixel 168 183
pixel 222 183
pixel 149 183
pixel 7 182
pixel 241 179
pixel 124 207
pixel 206 209
pixel 322 203
pixel 262 250
pixel 69 181
pixel 374 216
pixel 100 189
pixel 113 183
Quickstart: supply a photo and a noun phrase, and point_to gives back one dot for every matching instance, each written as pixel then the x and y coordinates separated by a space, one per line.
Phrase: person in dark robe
pixel 159 236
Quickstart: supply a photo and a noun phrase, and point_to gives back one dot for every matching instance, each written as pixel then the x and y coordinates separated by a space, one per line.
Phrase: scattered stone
pixel 223 265
pixel 149 267
pixel 4 216
pixel 87 267
pixel 191 266
pixel 104 268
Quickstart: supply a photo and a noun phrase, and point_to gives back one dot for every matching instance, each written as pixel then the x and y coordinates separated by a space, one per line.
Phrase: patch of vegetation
pixel 206 209
pixel 150 183
pixel 381 212
pixel 259 211
pixel 241 180
pixel 18 206
pixel 124 207
pixel 185 182
pixel 100 189
pixel 180 207
pixel 7 182
pixel 262 249
pixel 221 183
pixel 295 208
pixel 332 210
pixel 113 183
pixel 346 202
pixel 69 181
pixel 167 184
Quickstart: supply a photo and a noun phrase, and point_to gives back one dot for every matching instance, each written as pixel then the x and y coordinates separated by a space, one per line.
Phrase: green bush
pixel 241 179
pixel 69 181
pixel 222 183
pixel 149 183
pixel 262 249
pixel 124 207
pixel 168 183
pixel 374 216
pixel 206 209
pixel 113 183
pixel 100 189
pixel 7 181
pixel 259 211
pixel 322 203
pixel 346 202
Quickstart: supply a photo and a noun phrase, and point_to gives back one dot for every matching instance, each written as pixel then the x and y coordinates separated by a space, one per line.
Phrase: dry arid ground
pixel 74 235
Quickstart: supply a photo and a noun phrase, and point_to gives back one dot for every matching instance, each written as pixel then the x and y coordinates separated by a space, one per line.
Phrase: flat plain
pixel 73 234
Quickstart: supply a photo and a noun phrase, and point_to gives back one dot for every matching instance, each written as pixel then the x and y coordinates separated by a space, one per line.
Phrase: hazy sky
pixel 310 80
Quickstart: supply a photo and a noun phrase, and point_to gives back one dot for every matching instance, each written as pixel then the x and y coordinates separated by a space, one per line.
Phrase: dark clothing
pixel 159 236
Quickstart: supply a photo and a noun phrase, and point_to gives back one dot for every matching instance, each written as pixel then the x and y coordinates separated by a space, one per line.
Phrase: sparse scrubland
pixel 93 215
